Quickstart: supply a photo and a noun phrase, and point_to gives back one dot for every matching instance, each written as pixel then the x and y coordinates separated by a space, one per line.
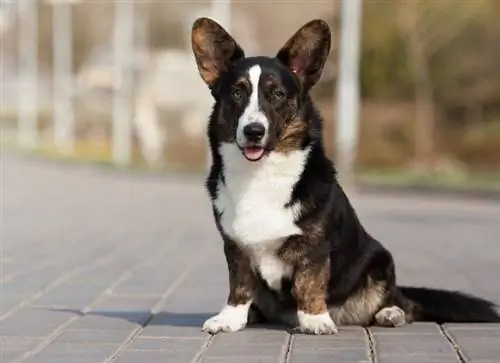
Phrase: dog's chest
pixel 254 211
pixel 259 223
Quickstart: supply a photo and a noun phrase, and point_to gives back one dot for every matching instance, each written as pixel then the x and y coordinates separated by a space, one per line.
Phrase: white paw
pixel 230 319
pixel 316 324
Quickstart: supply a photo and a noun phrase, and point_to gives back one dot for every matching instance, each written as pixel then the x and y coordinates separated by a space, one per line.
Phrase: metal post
pixel 221 10
pixel 64 121
pixel 123 39
pixel 348 90
pixel 27 92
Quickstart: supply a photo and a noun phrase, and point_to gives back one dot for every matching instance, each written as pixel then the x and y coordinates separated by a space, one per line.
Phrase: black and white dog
pixel 296 252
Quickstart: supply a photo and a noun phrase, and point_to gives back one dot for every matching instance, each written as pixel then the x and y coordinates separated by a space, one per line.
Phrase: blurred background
pixel 114 82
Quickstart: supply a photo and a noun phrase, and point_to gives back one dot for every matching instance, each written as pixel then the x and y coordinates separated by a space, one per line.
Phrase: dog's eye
pixel 278 94
pixel 236 94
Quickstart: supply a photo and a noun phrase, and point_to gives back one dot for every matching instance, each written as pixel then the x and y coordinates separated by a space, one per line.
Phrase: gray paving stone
pixel 154 228
pixel 473 326
pixel 341 356
pixel 240 360
pixel 480 348
pixel 111 320
pixel 167 344
pixel 173 331
pixel 418 359
pixel 126 303
pixel 217 349
pixel 172 324
pixel 33 322
pixel 13 347
pixel 253 337
pixel 412 329
pixel 75 295
pixel 327 343
pixel 155 357
pixel 428 345
pixel 474 333
pixel 74 353
pixel 94 336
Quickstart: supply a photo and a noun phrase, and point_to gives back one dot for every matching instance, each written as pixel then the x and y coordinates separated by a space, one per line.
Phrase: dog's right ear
pixel 214 49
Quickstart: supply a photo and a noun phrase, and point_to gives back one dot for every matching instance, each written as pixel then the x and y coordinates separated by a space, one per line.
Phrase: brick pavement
pixel 109 267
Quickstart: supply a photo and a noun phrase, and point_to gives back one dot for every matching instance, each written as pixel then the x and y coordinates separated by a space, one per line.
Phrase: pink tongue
pixel 253 153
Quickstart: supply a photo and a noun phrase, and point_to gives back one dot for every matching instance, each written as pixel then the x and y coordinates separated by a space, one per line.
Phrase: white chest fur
pixel 252 202
pixel 271 268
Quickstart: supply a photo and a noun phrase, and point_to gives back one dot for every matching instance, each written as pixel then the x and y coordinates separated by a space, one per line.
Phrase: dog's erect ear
pixel 214 49
pixel 305 53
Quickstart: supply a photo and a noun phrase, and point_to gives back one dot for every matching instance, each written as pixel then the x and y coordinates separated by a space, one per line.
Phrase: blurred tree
pixel 384 71
pixel 469 85
pixel 426 27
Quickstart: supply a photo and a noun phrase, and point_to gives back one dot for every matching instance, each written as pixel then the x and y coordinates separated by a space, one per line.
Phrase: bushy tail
pixel 442 306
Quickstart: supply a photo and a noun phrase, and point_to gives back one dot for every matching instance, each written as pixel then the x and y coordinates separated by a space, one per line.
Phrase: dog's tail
pixel 442 306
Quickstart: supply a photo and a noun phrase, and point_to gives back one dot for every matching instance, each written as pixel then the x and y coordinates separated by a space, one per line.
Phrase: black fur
pixel 358 263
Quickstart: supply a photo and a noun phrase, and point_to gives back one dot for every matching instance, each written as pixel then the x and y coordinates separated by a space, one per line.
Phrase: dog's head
pixel 259 100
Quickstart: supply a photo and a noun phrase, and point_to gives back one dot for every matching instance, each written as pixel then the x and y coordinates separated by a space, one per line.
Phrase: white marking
pixel 230 319
pixel 316 324
pixel 253 199
pixel 252 112
pixel 271 268
pixel 252 203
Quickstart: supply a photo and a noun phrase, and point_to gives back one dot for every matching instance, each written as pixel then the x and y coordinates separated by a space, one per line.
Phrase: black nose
pixel 254 131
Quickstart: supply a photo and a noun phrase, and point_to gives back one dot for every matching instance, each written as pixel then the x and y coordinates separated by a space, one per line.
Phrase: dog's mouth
pixel 253 153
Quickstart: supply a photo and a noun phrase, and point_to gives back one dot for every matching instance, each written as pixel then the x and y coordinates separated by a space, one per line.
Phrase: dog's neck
pixel 274 165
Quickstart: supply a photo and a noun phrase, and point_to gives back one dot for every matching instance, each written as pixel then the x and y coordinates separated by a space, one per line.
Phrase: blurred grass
pixel 468 180
pixel 99 154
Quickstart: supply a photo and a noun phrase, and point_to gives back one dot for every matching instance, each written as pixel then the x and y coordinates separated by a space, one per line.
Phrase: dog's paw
pixel 230 319
pixel 319 324
pixel 391 316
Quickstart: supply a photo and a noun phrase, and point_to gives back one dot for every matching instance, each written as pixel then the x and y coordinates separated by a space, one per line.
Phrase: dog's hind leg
pixel 390 316
pixel 397 312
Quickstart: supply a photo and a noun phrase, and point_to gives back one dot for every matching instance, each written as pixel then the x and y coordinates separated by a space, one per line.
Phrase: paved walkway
pixel 108 267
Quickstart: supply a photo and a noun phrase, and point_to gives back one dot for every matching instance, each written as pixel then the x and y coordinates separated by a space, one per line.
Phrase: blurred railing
pixel 115 80
pixel 110 103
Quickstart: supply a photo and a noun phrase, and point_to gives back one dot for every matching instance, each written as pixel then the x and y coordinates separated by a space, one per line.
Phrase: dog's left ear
pixel 305 53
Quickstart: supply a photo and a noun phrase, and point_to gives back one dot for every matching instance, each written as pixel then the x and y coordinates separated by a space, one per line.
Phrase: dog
pixel 296 252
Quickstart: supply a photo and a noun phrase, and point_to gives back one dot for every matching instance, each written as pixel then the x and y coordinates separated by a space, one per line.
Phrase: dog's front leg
pixel 310 291
pixel 234 315
pixel 310 258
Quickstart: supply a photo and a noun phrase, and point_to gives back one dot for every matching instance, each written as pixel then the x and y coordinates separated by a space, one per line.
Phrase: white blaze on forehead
pixel 252 112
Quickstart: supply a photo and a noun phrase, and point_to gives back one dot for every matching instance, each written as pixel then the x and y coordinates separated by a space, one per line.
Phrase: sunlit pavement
pixel 101 266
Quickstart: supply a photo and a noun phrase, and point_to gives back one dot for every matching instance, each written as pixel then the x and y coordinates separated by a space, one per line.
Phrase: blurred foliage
pixel 457 43
pixel 430 74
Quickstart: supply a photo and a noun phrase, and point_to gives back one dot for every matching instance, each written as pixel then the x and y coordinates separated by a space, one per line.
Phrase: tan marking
pixel 309 289
pixel 292 136
pixel 243 81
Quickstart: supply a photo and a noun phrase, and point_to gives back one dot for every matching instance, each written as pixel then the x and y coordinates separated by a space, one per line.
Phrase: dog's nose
pixel 254 131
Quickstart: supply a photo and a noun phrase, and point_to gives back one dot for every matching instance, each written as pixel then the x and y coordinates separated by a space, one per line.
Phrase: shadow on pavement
pixel 166 318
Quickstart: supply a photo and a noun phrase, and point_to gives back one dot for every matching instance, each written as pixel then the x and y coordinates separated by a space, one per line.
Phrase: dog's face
pixel 259 99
